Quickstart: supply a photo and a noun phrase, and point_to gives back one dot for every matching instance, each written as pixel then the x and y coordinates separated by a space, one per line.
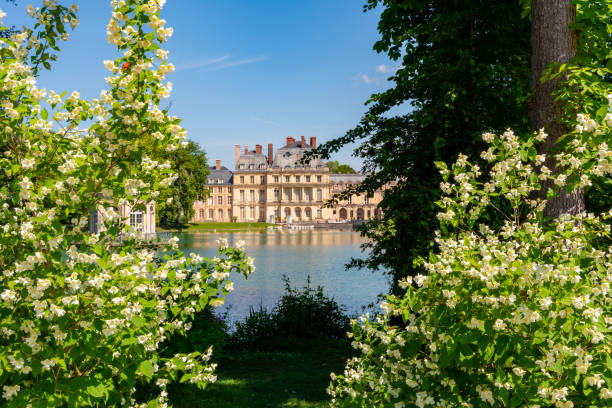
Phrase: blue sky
pixel 248 71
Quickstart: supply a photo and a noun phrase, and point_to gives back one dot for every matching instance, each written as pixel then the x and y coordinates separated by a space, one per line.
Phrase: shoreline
pixel 256 226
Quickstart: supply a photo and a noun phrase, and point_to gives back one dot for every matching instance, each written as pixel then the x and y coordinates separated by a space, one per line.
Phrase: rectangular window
pixel 220 200
pixel 220 190
pixel 297 179
pixel 287 194
pixel 287 179
pixel 262 195
pixel 262 180
pixel 319 194
pixel 229 189
pixel 252 195
pixel 262 213
pixel 367 200
pixel 136 220
pixel 210 214
pixel 242 213
pixel 229 199
pixel 319 213
pixel 241 179
pixel 252 179
pixel 220 214
pixel 298 195
pixel 229 214
pixel 319 179
pixel 242 196
pixel 276 194
pixel 201 214
pixel 349 200
pixel 210 201
pixel 252 212
pixel 276 179
pixel 308 179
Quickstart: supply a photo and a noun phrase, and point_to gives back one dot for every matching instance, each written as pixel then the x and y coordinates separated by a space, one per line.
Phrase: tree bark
pixel 552 40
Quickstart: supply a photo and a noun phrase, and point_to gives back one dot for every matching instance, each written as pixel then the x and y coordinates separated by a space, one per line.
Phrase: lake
pixel 320 254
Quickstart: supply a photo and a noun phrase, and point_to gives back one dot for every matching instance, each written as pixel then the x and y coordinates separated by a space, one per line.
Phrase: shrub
pixel 508 317
pixel 298 315
pixel 208 329
pixel 82 315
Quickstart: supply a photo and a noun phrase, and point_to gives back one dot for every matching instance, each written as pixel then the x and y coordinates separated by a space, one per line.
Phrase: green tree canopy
pixel 335 167
pixel 190 165
pixel 463 68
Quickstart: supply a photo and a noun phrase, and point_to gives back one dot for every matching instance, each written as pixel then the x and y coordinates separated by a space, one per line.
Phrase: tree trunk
pixel 552 40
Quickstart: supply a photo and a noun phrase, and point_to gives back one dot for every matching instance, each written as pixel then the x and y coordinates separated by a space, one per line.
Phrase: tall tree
pixel 189 163
pixel 463 69
pixel 553 41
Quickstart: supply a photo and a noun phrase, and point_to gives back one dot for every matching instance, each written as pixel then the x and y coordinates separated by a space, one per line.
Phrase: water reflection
pixel 297 254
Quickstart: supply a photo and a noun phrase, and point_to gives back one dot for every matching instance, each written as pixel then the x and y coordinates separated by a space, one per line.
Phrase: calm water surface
pixel 298 254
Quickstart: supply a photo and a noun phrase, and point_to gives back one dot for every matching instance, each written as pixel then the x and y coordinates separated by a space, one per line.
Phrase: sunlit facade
pixel 278 187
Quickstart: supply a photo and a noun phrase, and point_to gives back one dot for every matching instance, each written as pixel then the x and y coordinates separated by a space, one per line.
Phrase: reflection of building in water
pixel 278 187
pixel 274 238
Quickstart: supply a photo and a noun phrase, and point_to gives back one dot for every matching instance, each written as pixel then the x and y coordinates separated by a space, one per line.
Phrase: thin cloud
pixel 203 63
pixel 366 78
pixel 385 69
pixel 239 62
pixel 264 121
pixel 222 62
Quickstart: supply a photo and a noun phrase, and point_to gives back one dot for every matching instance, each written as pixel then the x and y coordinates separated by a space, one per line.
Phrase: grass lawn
pixel 296 378
pixel 222 226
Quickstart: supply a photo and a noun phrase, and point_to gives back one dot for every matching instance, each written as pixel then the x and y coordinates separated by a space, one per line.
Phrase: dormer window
pixel 219 181
pixel 262 166
pixel 241 166
pixel 287 154
pixel 251 166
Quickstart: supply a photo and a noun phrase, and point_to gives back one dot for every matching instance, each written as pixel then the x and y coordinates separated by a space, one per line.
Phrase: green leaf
pixel 96 391
pixel 146 368
pixel 138 321
pixel 516 400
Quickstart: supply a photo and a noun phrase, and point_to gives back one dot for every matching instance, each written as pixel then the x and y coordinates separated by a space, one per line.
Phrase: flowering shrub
pixel 517 316
pixel 81 314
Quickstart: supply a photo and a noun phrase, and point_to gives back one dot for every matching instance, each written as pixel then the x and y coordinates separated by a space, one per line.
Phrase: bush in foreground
pixel 298 315
pixel 82 315
pixel 518 316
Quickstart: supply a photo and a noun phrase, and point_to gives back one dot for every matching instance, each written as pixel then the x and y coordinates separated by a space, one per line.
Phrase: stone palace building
pixel 277 187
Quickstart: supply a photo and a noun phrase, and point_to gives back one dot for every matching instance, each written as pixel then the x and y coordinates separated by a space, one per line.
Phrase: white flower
pixel 545 303
pixel 9 391
pixel 499 325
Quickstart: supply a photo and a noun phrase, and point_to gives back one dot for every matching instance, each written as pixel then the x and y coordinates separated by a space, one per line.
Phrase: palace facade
pixel 278 187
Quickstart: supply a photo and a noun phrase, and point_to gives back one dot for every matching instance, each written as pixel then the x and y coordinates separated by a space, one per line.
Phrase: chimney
pixel 218 164
pixel 313 141
pixel 270 153
pixel 290 140
pixel 258 149
pixel 303 145
pixel 246 149
pixel 236 154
